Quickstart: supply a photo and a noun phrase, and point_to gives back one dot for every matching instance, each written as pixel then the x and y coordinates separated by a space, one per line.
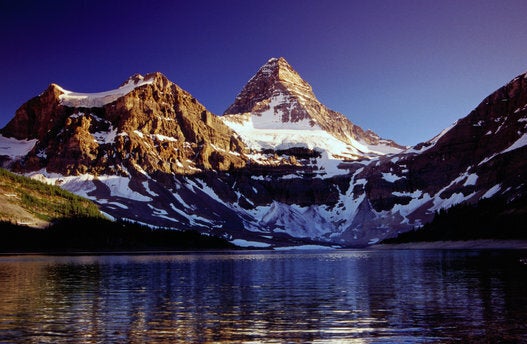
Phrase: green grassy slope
pixel 37 217
pixel 36 204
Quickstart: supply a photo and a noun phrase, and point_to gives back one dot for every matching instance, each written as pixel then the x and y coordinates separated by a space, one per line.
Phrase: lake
pixel 328 296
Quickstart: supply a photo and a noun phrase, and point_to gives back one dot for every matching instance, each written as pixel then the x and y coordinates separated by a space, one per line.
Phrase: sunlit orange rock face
pixel 157 126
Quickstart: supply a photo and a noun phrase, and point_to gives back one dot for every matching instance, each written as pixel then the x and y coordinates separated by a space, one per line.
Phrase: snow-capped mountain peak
pixel 277 106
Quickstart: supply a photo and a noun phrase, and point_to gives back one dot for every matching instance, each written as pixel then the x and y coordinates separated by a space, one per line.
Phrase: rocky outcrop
pixel 156 127
pixel 37 117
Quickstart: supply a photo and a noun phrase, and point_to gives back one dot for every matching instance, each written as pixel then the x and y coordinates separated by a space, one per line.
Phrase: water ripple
pixel 317 297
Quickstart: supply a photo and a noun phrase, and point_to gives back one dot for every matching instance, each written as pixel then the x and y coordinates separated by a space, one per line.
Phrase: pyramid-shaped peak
pixel 278 69
pixel 277 97
pixel 275 79
pixel 275 63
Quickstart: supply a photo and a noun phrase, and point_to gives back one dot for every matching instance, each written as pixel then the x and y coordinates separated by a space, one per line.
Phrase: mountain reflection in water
pixel 355 296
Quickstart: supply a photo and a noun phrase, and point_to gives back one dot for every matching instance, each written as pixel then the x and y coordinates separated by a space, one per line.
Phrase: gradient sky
pixel 405 69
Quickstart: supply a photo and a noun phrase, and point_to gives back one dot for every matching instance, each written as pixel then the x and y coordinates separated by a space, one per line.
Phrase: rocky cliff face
pixel 149 124
pixel 150 152
pixel 482 155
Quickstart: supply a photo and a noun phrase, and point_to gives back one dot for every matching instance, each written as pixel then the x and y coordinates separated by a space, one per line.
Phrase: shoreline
pixel 462 245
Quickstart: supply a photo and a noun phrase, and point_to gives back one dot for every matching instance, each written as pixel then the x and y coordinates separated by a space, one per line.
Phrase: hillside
pixel 38 217
pixel 488 219
pixel 26 201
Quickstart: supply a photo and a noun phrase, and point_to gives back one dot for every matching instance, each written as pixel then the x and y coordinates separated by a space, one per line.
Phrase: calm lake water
pixel 338 296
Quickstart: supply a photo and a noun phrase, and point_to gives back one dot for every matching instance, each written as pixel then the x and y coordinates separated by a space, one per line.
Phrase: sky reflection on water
pixel 355 296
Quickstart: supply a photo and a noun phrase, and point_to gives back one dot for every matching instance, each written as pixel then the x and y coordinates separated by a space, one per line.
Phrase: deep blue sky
pixel 404 68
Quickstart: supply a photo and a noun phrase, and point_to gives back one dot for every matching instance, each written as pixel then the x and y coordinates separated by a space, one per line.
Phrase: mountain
pixel 277 109
pixel 277 169
pixel 481 156
pixel 148 122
